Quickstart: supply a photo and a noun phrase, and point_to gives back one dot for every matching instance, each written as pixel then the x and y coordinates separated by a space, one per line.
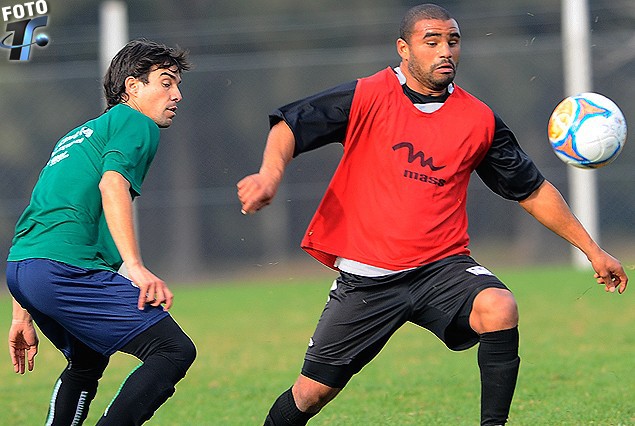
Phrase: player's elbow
pixel 112 181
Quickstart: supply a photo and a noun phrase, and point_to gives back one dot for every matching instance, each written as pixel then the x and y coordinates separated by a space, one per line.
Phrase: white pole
pixel 113 30
pixel 113 35
pixel 576 47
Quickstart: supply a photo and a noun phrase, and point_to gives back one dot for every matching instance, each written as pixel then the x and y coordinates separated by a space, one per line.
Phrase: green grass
pixel 577 350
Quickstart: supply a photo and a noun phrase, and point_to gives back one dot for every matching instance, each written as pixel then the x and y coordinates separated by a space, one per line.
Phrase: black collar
pixel 418 98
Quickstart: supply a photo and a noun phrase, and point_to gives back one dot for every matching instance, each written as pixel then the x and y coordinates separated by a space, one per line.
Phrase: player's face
pixel 158 97
pixel 431 55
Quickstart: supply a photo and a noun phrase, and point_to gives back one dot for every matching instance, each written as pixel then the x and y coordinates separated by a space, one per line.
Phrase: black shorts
pixel 362 313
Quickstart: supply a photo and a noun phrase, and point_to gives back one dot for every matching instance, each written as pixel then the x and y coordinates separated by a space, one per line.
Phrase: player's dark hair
pixel 137 59
pixel 418 13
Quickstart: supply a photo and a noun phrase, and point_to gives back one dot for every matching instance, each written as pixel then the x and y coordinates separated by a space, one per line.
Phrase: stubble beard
pixel 427 79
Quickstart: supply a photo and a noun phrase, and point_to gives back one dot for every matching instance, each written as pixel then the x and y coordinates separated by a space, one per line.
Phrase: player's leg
pixel 76 387
pixel 33 283
pixel 358 319
pixel 464 304
pixel 167 353
pixel 98 308
pixel 299 403
pixel 494 317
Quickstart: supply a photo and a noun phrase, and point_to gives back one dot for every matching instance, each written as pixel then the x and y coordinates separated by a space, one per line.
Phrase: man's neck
pixel 406 79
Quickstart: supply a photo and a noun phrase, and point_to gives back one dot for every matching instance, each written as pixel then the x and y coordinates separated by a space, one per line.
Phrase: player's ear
pixel 403 49
pixel 132 85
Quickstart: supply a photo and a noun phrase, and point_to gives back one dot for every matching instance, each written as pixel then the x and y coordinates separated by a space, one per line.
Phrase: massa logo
pixel 424 162
pixel 412 156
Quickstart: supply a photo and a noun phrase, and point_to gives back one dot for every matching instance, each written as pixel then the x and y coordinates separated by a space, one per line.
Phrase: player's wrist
pixel 272 174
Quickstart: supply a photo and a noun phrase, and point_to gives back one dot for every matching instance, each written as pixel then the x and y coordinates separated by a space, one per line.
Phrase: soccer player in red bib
pixel 393 220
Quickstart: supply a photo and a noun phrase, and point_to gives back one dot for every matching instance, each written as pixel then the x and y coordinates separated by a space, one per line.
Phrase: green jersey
pixel 64 220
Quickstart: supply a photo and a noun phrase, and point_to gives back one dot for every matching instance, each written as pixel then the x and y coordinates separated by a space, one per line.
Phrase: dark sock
pixel 76 387
pixel 70 401
pixel 284 412
pixel 499 362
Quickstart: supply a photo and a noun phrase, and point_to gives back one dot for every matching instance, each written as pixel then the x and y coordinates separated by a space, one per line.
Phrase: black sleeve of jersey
pixel 318 120
pixel 506 168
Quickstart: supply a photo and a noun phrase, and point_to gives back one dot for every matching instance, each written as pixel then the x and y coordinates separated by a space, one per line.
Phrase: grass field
pixel 577 350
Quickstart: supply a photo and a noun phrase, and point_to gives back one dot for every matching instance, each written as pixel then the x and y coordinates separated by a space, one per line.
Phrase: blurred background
pixel 251 56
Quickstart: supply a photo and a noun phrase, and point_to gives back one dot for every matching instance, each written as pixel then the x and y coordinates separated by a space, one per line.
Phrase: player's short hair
pixel 137 59
pixel 418 13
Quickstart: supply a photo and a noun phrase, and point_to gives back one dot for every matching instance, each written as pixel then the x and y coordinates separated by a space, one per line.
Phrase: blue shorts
pixel 96 307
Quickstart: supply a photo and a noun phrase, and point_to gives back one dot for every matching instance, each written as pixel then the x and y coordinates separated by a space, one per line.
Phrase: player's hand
pixel 256 191
pixel 609 272
pixel 152 289
pixel 23 345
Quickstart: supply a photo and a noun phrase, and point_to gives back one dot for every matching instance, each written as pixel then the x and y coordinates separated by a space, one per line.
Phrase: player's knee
pixel 182 353
pixel 311 396
pixel 167 341
pixel 494 309
pixel 187 354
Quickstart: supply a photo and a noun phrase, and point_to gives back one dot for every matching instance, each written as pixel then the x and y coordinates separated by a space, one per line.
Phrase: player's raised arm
pixel 549 208
pixel 258 190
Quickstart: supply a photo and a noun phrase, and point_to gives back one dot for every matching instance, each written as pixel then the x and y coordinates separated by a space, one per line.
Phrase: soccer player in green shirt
pixel 75 234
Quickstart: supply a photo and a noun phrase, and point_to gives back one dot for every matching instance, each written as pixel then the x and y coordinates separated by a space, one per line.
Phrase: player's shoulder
pixel 386 75
pixel 377 86
pixel 459 91
pixel 471 101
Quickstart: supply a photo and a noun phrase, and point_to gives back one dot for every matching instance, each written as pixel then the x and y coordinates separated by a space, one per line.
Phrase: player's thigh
pixel 444 297
pixel 26 281
pixel 95 306
pixel 359 317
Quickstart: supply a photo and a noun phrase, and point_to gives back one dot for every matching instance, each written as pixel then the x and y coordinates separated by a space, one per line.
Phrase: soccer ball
pixel 587 130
